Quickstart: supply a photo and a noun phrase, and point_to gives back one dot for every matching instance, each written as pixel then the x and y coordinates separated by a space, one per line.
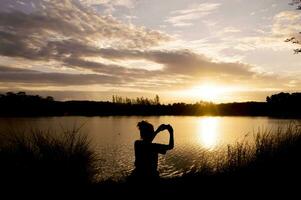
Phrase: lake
pixel 113 137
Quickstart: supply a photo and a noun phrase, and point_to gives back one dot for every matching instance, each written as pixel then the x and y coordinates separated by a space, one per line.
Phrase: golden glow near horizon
pixel 208 92
pixel 208 132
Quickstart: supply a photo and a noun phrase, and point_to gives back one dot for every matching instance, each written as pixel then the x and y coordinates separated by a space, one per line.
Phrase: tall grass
pixel 47 159
pixel 274 154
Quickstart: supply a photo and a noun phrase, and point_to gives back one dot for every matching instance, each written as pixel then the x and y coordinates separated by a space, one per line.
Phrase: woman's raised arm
pixel 168 127
pixel 171 139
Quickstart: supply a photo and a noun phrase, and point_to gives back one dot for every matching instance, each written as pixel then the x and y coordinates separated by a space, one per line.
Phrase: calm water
pixel 113 137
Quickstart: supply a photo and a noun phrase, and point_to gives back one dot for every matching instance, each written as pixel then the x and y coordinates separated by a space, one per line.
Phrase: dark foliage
pixel 284 104
pixel 46 161
pixel 21 104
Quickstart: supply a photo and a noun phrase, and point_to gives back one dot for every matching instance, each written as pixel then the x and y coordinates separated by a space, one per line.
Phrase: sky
pixel 184 51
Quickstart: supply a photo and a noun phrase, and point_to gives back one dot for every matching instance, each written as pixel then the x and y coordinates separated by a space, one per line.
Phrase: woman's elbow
pixel 170 147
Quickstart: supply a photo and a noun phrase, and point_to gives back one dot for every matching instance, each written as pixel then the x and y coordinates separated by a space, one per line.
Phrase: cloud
pixel 122 3
pixel 24 78
pixel 181 62
pixel 287 24
pixel 231 29
pixel 109 69
pixel 65 20
pixel 108 7
pixel 69 32
pixel 32 77
pixel 184 65
pixel 65 32
pixel 72 52
pixel 174 62
pixel 186 16
pixel 231 42
pixel 4 69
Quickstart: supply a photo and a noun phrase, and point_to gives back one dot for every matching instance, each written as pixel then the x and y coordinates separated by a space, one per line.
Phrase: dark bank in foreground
pixel 67 163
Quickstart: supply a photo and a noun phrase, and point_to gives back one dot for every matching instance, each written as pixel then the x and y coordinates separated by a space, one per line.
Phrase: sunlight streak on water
pixel 208 132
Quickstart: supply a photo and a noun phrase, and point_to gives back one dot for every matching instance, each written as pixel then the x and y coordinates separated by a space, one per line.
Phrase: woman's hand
pixel 169 128
pixel 162 127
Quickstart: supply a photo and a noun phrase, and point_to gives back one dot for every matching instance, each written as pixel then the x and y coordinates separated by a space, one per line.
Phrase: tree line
pixel 22 104
pixel 138 100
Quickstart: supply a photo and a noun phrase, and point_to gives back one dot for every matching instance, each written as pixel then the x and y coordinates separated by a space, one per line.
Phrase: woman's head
pixel 146 130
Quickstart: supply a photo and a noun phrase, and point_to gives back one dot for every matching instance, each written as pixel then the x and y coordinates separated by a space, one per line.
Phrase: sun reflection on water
pixel 208 132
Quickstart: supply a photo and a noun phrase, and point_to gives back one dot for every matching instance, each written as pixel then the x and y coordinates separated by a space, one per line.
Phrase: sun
pixel 206 92
pixel 210 91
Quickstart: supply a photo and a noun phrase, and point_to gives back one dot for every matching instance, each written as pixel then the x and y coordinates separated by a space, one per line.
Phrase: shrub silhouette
pixel 46 159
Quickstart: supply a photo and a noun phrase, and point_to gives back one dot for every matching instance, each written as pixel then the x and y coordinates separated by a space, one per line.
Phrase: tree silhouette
pixel 296 39
pixel 139 100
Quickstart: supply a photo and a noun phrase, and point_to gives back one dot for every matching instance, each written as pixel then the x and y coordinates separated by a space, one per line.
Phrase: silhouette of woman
pixel 146 152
